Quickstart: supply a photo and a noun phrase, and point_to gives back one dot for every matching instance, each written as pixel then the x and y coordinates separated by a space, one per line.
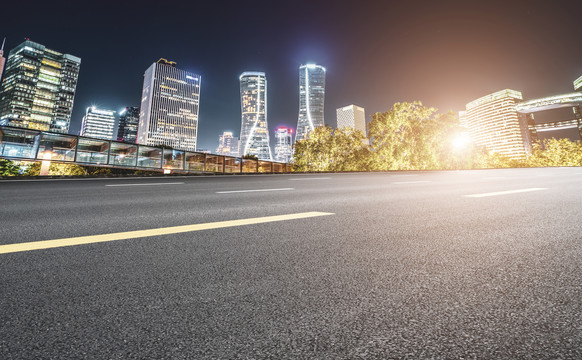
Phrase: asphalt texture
pixel 408 267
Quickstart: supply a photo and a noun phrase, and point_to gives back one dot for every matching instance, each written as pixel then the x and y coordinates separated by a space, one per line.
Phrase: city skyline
pixel 471 50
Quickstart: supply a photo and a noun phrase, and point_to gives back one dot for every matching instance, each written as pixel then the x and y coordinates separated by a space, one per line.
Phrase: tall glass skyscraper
pixel 2 60
pixel 38 88
pixel 227 144
pixel 254 133
pixel 128 122
pixel 169 107
pixel 98 123
pixel 311 98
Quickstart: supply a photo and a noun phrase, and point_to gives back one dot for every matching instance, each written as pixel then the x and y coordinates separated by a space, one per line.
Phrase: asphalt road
pixel 406 266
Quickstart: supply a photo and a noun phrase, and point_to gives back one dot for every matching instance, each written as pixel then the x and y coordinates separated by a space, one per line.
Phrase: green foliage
pixel 251 157
pixel 8 168
pixel 56 169
pixel 324 149
pixel 554 152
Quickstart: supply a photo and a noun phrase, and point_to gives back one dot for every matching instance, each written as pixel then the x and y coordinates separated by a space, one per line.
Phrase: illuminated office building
pixel 311 99
pixel 2 60
pixel 578 84
pixel 38 88
pixel 283 144
pixel 169 107
pixel 98 123
pixel 493 122
pixel 128 122
pixel 227 144
pixel 352 116
pixel 254 133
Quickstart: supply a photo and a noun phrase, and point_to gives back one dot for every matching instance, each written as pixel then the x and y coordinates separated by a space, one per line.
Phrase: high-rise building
pixel 463 118
pixel 283 144
pixel 578 84
pixel 254 133
pixel 98 123
pixel 493 122
pixel 169 107
pixel 227 144
pixel 128 122
pixel 311 99
pixel 2 60
pixel 38 88
pixel 352 116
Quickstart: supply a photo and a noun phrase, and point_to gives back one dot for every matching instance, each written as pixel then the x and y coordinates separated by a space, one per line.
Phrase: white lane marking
pixel 148 184
pixel 256 190
pixel 410 182
pixel 505 192
pixel 314 178
pixel 91 239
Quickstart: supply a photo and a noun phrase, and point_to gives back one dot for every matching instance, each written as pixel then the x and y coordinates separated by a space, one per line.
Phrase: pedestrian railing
pixel 35 145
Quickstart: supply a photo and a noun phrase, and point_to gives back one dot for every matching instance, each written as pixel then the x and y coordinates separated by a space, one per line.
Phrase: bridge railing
pixel 35 145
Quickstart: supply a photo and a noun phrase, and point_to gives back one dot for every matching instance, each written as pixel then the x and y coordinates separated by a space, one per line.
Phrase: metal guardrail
pixel 35 145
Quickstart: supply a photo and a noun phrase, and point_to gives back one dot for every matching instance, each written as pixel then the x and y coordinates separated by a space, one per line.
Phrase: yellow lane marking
pixel 47 244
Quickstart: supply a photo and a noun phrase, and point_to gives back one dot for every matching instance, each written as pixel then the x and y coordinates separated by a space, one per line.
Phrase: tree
pixel 326 149
pixel 8 168
pixel 411 136
pixel 251 157
pixel 554 152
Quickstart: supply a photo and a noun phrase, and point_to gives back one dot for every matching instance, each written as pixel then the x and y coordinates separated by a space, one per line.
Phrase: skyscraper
pixel 227 144
pixel 98 123
pixel 283 144
pixel 38 88
pixel 352 116
pixel 311 98
pixel 169 107
pixel 254 133
pixel 128 122
pixel 493 122
pixel 2 60
pixel 578 84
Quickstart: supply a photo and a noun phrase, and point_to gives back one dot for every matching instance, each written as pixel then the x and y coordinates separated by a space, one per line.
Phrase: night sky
pixel 444 53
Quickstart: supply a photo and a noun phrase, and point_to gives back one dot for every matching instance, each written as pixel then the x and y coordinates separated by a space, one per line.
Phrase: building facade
pixel 352 116
pixel 38 88
pixel 254 133
pixel 169 107
pixel 2 60
pixel 493 122
pixel 98 123
pixel 227 144
pixel 578 84
pixel 128 123
pixel 283 144
pixel 311 99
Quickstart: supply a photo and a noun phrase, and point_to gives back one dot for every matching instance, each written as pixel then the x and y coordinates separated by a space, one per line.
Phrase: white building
pixel 98 123
pixel 352 116
pixel 283 144
pixel 169 107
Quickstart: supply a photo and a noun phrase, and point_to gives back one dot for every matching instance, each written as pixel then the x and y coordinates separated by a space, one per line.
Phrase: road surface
pixel 461 264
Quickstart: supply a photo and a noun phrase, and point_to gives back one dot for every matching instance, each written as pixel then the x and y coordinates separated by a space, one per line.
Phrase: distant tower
pixel 311 99
pixel 39 88
pixel 227 144
pixel 254 133
pixel 578 84
pixel 2 60
pixel 128 122
pixel 283 144
pixel 169 107
pixel 98 123
pixel 352 116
